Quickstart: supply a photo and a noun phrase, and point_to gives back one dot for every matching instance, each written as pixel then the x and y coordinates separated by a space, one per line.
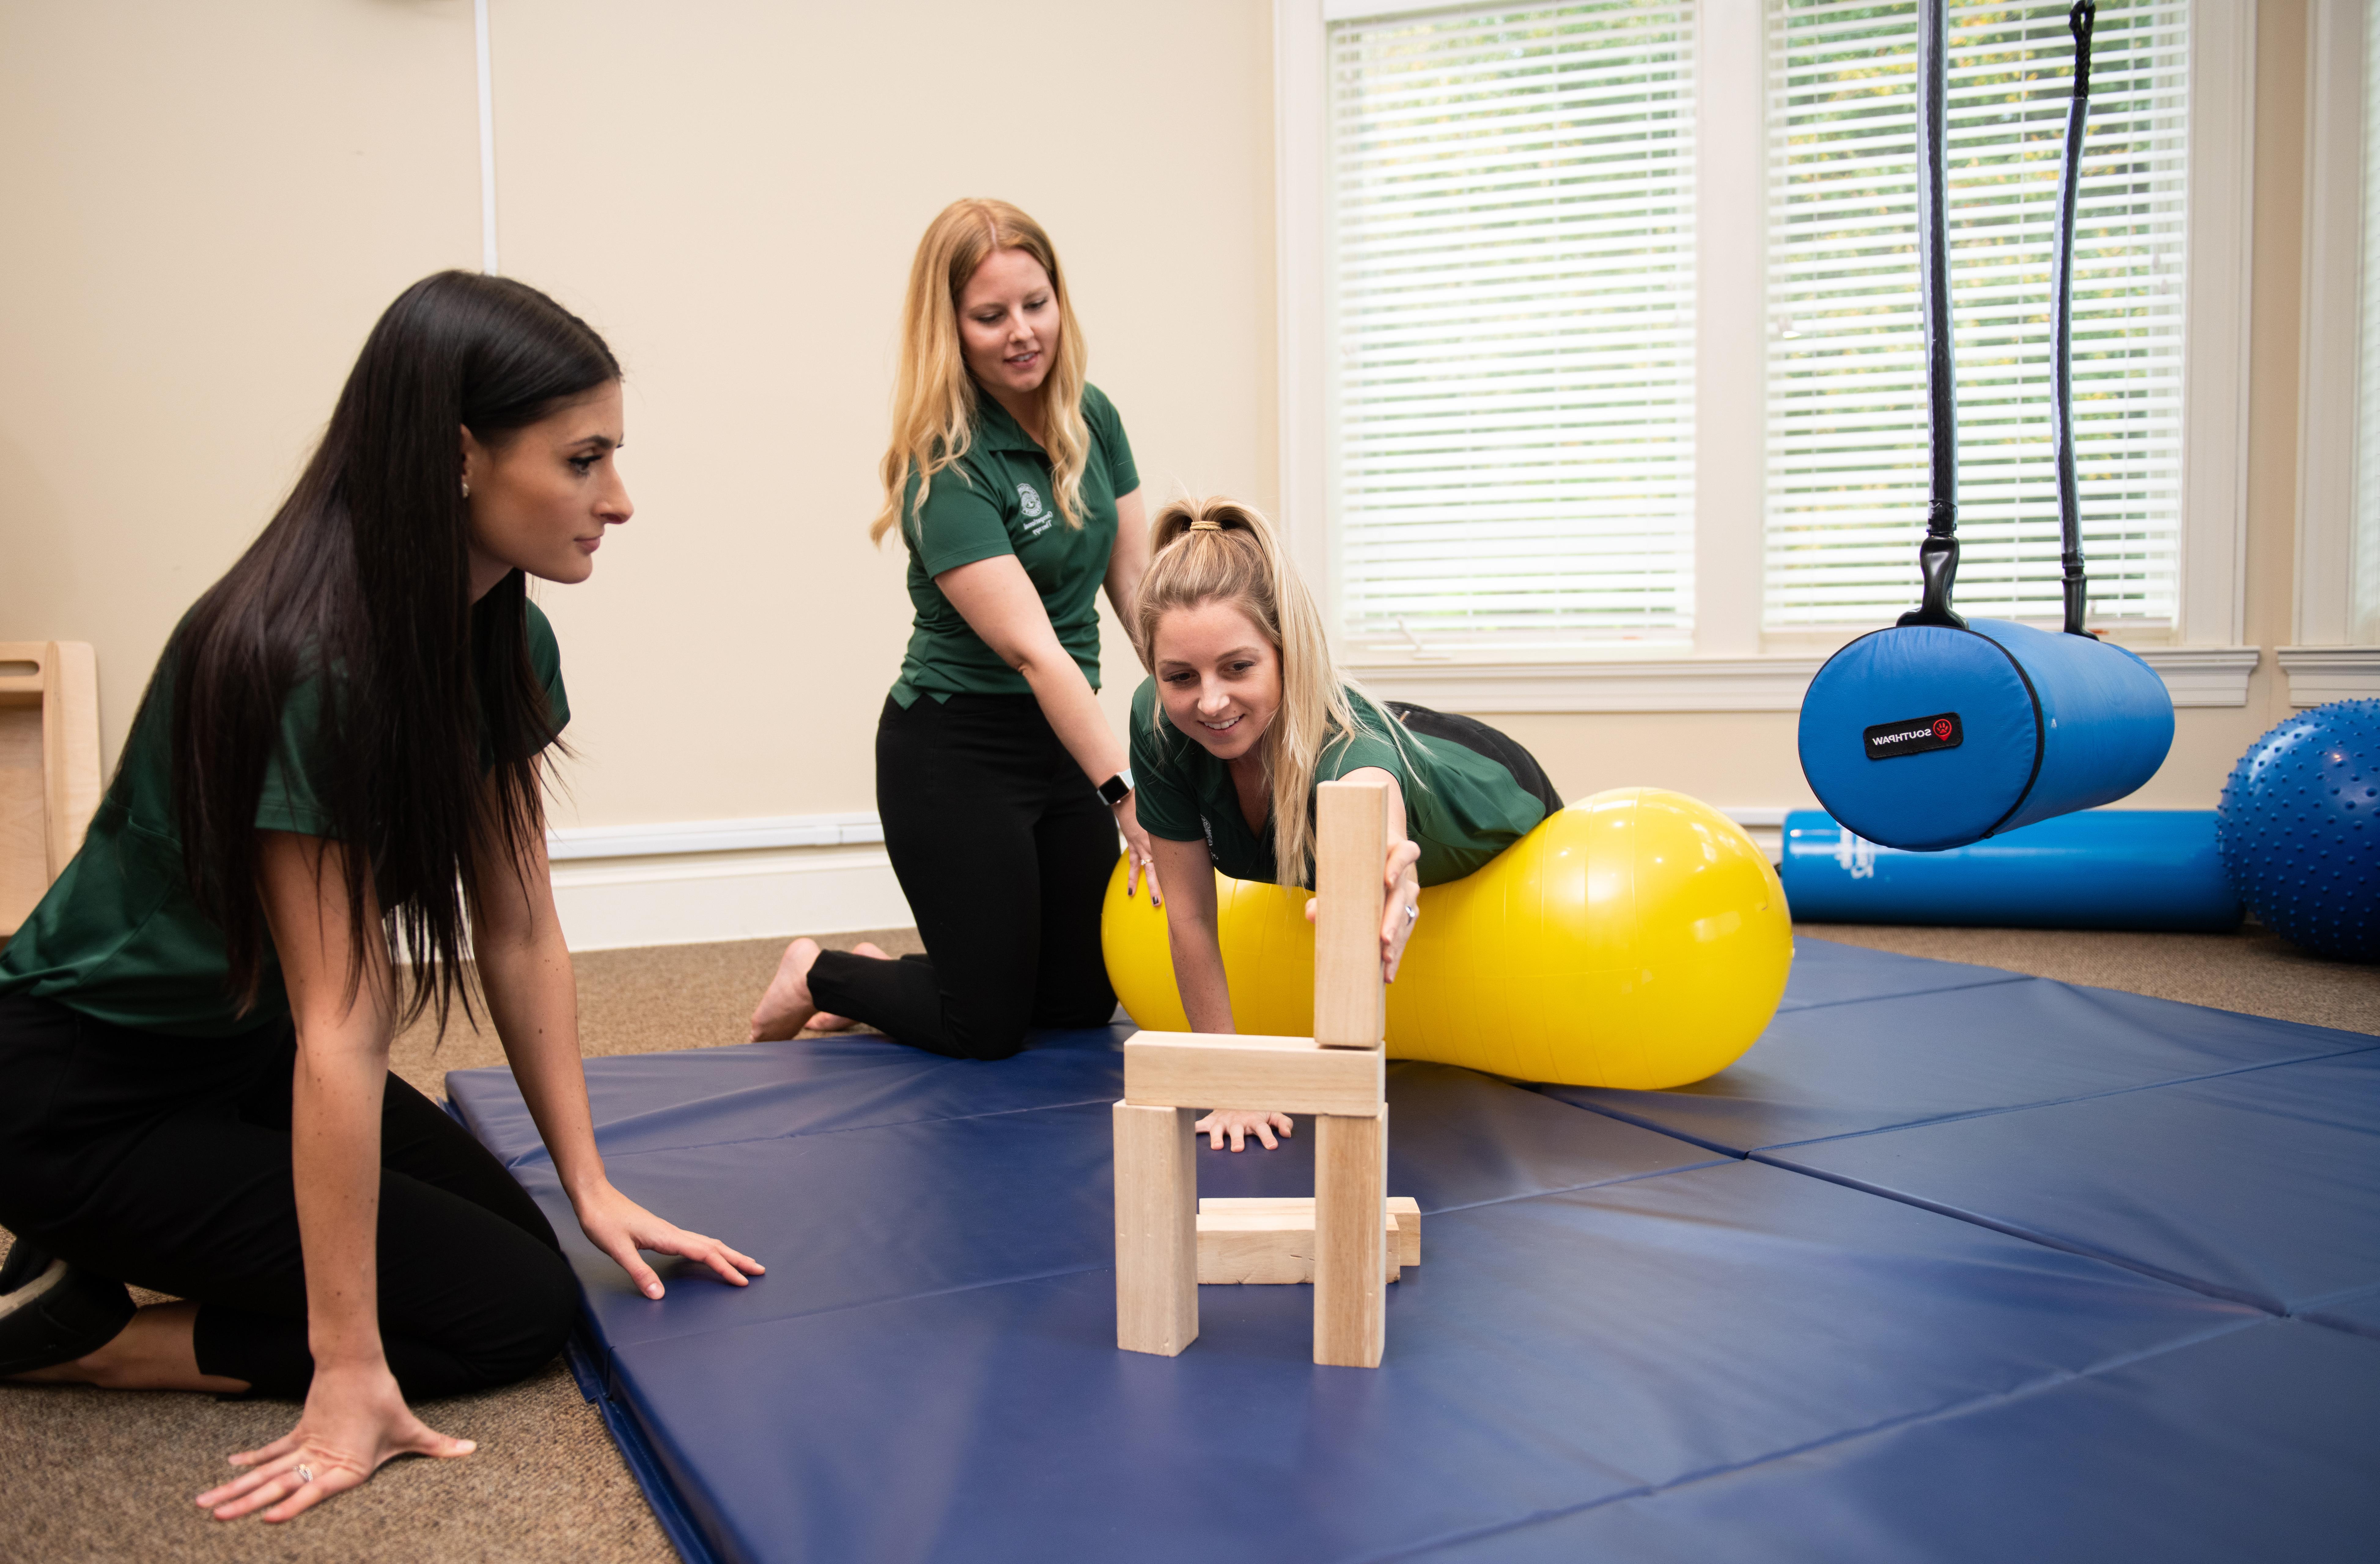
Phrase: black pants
pixel 1480 738
pixel 165 1162
pixel 1004 849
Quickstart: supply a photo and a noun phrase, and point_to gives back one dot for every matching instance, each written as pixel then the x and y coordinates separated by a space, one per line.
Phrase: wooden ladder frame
pixel 49 766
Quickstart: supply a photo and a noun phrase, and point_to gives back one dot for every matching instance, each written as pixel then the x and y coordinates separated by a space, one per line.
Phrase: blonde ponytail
pixel 1219 550
pixel 933 396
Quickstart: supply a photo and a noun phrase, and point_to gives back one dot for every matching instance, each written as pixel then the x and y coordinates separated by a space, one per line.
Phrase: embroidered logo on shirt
pixel 1036 522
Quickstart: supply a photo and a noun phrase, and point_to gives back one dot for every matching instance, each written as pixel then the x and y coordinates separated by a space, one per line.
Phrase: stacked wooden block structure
pixel 1350 1240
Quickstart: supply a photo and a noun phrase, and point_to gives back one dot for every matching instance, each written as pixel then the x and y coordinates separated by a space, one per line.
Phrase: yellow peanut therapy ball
pixel 1637 939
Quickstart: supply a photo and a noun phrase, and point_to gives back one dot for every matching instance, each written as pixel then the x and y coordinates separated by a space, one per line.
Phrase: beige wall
pixel 733 193
pixel 205 207
pixel 208 205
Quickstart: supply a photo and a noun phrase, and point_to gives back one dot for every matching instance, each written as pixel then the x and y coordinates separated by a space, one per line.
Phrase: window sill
pixel 2321 674
pixel 2196 675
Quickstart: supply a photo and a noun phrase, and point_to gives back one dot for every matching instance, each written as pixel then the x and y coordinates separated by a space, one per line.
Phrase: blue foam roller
pixel 2105 869
pixel 1923 736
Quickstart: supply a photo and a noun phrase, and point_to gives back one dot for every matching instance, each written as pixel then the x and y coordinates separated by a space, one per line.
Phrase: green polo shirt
pixel 998 499
pixel 120 938
pixel 1462 807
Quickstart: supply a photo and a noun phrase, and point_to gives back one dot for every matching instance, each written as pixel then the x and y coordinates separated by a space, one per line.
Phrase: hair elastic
pixel 1205 525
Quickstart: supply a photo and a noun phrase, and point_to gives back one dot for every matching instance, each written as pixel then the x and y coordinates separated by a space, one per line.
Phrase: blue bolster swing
pixel 1940 731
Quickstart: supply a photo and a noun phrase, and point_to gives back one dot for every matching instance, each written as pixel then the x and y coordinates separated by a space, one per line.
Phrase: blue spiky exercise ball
pixel 2298 829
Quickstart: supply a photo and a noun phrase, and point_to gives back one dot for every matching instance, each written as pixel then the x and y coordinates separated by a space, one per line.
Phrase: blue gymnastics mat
pixel 1628 1338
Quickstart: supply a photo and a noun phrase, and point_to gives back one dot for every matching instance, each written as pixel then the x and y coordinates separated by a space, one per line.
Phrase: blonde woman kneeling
pixel 999 783
pixel 1245 714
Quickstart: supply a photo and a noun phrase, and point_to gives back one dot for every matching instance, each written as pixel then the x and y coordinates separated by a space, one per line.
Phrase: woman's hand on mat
pixel 1401 908
pixel 1139 858
pixel 355 1421
pixel 1239 1125
pixel 619 1226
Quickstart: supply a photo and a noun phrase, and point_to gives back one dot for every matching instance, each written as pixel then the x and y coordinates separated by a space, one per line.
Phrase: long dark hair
pixel 358 590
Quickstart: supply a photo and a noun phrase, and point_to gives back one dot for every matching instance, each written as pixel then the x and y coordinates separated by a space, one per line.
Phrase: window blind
pixel 1511 314
pixel 1846 440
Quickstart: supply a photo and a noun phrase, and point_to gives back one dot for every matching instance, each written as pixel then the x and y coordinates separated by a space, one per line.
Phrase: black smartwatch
pixel 1116 789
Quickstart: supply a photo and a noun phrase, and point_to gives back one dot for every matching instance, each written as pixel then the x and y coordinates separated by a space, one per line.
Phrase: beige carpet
pixel 90 1474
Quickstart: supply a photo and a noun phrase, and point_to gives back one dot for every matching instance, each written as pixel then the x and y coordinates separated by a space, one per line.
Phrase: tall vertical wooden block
pixel 1351 1300
pixel 1156 1228
pixel 1351 848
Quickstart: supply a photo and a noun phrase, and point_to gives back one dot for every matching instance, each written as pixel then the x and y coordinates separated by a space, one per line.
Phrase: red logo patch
pixel 1942 729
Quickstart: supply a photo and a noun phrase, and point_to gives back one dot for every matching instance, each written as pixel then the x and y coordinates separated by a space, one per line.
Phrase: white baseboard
pixel 695 899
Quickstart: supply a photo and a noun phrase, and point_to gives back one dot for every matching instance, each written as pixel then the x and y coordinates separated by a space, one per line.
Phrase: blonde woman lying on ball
pixel 1245 714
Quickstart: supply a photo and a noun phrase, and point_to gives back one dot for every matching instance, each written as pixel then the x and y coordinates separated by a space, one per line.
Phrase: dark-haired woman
pixel 337 758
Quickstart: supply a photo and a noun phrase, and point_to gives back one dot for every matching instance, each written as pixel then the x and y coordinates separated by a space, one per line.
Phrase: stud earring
pixel 466 488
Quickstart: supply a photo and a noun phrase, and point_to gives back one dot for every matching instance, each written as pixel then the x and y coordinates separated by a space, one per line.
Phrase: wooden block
pixel 1351 849
pixel 1407 1212
pixel 1266 1242
pixel 1210 1069
pixel 1156 1228
pixel 1351 1249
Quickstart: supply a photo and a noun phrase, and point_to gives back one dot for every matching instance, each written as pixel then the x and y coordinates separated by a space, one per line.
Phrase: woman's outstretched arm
pixel 999 602
pixel 1128 559
pixel 1191 935
pixel 533 998
pixel 1190 932
pixel 355 1418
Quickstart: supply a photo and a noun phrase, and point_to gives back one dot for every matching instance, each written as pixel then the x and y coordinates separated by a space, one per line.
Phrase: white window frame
pixel 2325 664
pixel 1734 664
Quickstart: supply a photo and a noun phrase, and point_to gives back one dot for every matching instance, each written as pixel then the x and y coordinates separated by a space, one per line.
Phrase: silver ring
pixel 305 1475
pixel 1413 910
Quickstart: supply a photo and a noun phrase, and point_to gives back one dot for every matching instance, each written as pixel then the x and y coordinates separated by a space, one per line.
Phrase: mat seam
pixel 540 1156
pixel 612 1353
pixel 2044 1240
pixel 1939 1415
pixel 2005 978
pixel 2062 1102
pixel 1678 1134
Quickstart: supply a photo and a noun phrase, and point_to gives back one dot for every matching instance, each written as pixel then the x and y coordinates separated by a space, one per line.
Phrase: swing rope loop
pixel 1937 556
pixel 2075 584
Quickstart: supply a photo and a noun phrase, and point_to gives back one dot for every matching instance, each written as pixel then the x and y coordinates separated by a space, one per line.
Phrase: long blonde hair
pixel 933 396
pixel 1222 551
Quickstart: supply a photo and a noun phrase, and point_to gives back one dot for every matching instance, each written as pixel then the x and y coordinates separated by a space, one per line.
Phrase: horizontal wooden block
pixel 1407 1212
pixel 1206 1070
pixel 1403 1210
pixel 1266 1242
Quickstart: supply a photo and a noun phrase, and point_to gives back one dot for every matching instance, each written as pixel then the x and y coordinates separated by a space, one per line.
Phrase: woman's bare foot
pixel 827 1021
pixel 787 1006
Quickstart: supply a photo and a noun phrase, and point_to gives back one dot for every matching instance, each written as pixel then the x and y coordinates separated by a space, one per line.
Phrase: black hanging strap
pixel 1937 556
pixel 2061 421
